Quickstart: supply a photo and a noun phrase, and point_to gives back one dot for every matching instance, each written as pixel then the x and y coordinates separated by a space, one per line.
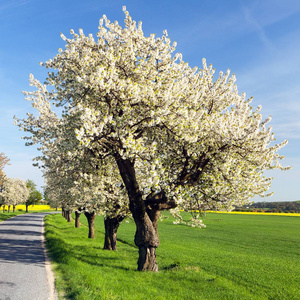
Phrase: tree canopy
pixel 4 160
pixel 14 191
pixel 135 114
pixel 34 196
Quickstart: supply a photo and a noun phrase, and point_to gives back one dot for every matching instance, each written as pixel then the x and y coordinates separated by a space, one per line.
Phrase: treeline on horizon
pixel 278 207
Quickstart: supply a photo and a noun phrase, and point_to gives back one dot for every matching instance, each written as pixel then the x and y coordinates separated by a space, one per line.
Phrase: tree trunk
pixel 147 239
pixel 27 208
pixel 145 213
pixel 4 208
pixel 91 221
pixel 8 208
pixel 111 227
pixel 14 208
pixel 147 259
pixel 146 236
pixel 69 215
pixel 77 218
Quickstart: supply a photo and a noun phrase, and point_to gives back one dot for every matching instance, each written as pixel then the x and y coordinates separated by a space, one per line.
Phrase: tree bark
pixel 69 215
pixel 8 208
pixel 146 236
pixel 4 208
pixel 91 221
pixel 14 208
pixel 77 218
pixel 145 213
pixel 27 208
pixel 147 259
pixel 111 227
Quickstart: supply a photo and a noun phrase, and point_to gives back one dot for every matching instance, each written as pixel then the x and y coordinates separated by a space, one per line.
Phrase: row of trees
pixel 14 191
pixel 126 126
pixel 284 206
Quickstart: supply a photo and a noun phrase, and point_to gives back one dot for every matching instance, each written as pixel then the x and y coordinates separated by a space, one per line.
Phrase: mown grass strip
pixel 5 216
pixel 235 257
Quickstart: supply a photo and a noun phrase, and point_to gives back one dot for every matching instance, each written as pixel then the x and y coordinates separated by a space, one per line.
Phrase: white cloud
pixel 288 130
pixel 269 12
pixel 255 25
pixel 11 4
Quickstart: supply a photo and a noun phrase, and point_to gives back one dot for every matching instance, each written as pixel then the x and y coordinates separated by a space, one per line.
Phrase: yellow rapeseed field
pixel 257 213
pixel 32 207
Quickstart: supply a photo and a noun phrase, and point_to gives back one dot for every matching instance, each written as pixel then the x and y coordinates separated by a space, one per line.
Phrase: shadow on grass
pixel 101 260
pixel 127 243
pixel 58 250
pixel 61 252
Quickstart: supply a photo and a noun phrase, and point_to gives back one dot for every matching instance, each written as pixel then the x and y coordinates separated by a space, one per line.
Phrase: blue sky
pixel 258 40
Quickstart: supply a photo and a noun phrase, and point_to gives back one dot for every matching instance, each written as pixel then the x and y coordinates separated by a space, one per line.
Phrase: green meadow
pixel 5 216
pixel 234 257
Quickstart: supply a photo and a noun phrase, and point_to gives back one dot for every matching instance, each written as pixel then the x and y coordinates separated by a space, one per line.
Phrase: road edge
pixel 49 272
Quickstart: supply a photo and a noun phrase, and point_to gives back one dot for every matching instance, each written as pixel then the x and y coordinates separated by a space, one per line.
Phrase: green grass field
pixel 5 216
pixel 235 257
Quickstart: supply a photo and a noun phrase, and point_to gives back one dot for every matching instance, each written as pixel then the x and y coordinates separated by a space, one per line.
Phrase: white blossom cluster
pixel 129 97
pixel 79 180
pixel 13 191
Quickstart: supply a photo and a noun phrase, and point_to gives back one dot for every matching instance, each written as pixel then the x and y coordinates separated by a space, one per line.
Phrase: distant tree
pixel 34 195
pixel 282 206
pixel 3 162
pixel 14 191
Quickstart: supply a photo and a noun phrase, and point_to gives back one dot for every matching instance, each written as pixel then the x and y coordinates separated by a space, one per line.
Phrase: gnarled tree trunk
pixel 147 240
pixel 91 221
pixel 111 227
pixel 145 213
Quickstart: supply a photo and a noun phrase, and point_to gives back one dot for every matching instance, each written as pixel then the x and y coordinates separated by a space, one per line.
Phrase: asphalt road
pixel 25 271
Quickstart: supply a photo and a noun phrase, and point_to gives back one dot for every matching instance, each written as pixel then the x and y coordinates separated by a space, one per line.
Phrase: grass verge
pixel 5 216
pixel 235 257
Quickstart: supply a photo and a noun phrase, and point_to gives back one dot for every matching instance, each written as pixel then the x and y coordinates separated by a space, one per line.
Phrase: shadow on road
pixel 19 232
pixel 27 224
pixel 20 240
pixel 22 251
